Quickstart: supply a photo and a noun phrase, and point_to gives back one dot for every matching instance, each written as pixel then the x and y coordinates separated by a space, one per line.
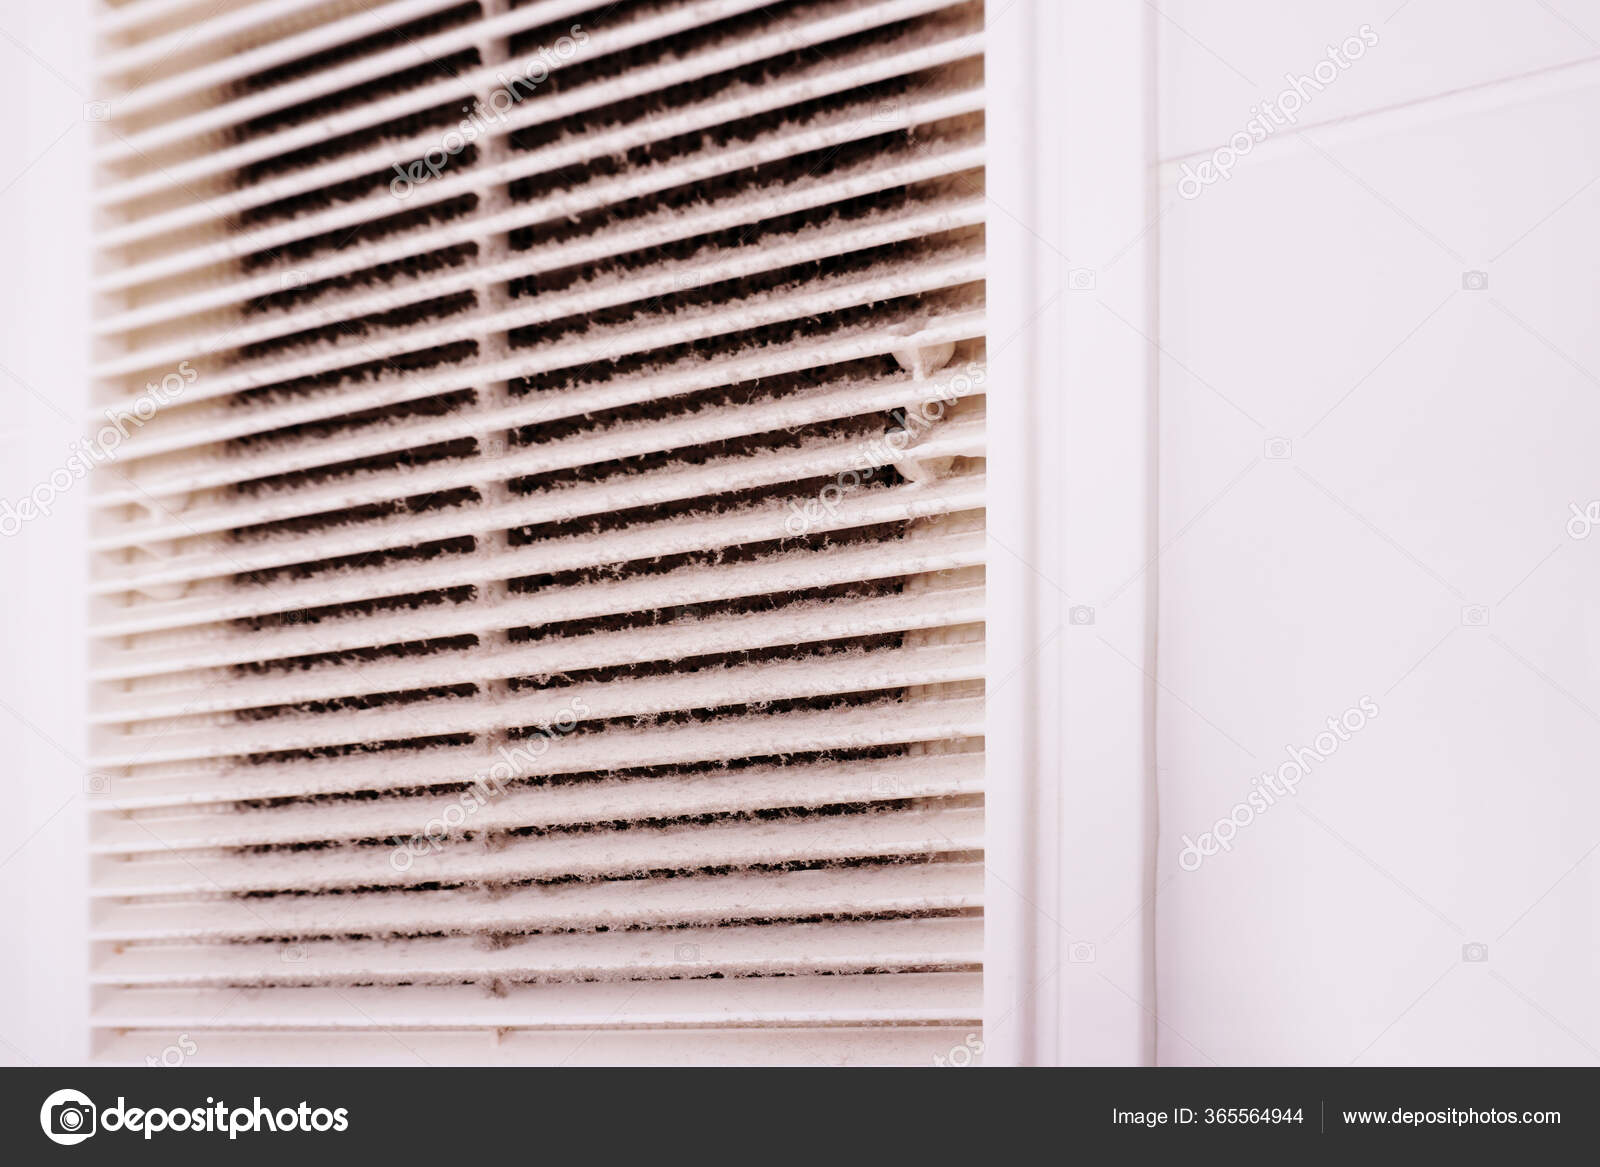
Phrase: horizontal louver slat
pixel 813 25
pixel 843 345
pixel 631 697
pixel 754 788
pixel 709 424
pixel 892 167
pixel 833 130
pixel 732 951
pixel 858 999
pixel 798 624
pixel 888 724
pixel 836 75
pixel 215 558
pixel 679 589
pixel 586 854
pixel 891 889
pixel 754 1044
pixel 713 266
pixel 893 504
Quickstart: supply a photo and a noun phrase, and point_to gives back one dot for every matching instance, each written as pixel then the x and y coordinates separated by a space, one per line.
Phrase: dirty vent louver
pixel 537 587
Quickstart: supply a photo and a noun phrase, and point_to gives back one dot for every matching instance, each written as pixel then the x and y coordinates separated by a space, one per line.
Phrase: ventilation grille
pixel 538 568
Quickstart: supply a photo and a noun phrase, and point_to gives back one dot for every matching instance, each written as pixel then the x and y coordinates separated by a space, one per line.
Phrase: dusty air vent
pixel 538 561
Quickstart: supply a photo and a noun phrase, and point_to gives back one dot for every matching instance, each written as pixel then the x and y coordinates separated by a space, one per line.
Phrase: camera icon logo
pixel 686 953
pixel 1081 614
pixel 1081 279
pixel 1475 616
pixel 1475 953
pixel 97 111
pixel 1081 953
pixel 68 1117
pixel 1475 281
pixel 1277 449
pixel 97 785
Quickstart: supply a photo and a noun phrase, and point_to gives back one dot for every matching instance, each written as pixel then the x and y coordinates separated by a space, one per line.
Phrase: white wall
pixel 44 85
pixel 1435 437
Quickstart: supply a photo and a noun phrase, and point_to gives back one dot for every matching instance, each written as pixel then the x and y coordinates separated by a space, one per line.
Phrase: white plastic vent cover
pixel 538 590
